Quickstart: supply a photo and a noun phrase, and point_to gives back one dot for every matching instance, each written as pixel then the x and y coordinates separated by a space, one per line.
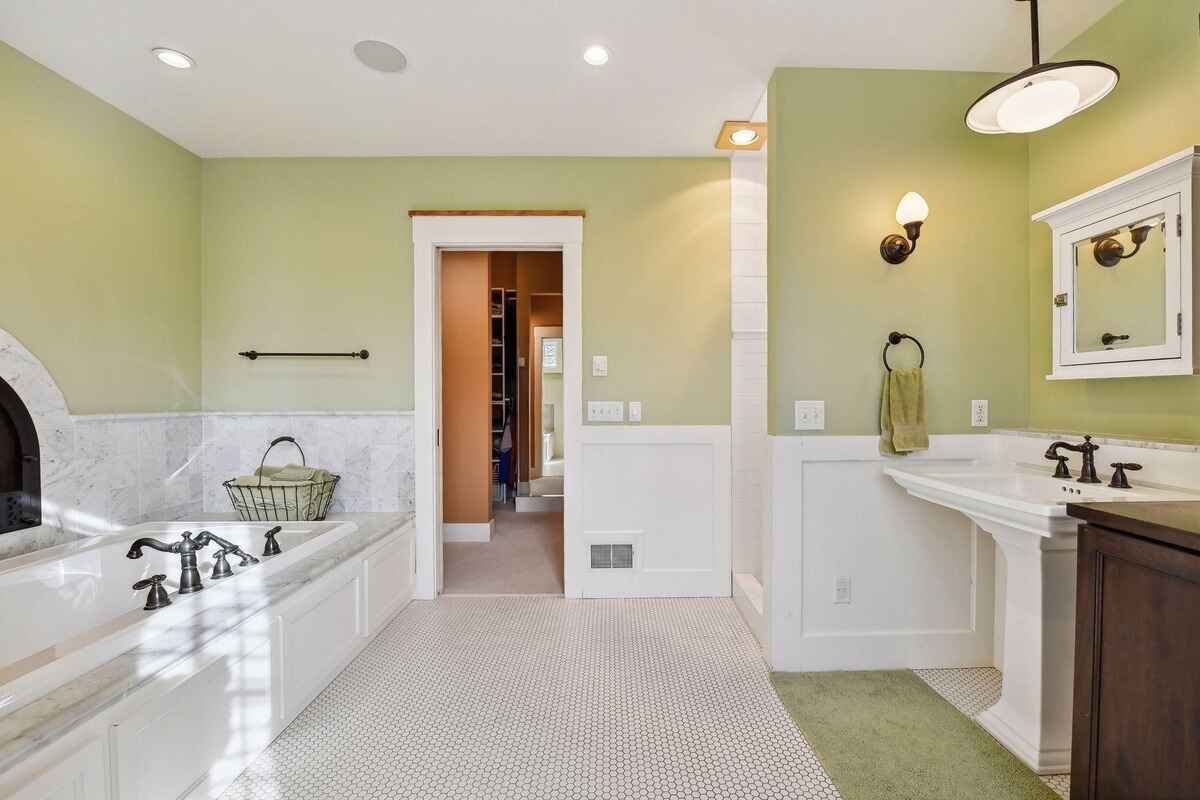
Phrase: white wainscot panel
pixel 205 730
pixel 667 491
pixel 318 642
pixel 921 576
pixel 80 777
pixel 390 576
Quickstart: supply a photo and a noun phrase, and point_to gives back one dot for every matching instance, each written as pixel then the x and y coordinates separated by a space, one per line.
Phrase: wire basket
pixel 304 502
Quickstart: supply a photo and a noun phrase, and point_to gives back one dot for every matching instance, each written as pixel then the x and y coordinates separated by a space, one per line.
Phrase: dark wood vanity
pixel 1136 730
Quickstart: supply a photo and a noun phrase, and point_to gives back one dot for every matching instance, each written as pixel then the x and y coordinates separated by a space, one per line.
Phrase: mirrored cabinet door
pixel 1125 286
pixel 1122 298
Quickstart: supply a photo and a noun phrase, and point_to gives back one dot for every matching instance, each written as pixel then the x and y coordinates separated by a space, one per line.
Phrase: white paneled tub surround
pixel 919 578
pixel 103 700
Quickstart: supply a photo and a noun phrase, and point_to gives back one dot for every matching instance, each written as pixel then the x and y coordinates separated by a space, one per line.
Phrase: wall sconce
pixel 1109 252
pixel 911 213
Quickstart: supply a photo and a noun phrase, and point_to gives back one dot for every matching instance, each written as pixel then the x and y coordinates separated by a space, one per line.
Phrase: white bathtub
pixel 96 694
pixel 68 609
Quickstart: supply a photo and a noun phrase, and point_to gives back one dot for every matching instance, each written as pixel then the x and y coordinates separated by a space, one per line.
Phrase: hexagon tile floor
pixel 492 698
pixel 515 698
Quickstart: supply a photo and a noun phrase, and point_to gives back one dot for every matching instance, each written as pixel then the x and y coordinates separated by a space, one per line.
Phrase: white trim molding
pixel 921 577
pixel 468 531
pixel 432 235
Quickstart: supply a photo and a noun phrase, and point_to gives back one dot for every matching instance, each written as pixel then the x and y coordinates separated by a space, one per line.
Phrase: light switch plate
pixel 635 410
pixel 810 415
pixel 841 590
pixel 599 366
pixel 979 413
pixel 606 411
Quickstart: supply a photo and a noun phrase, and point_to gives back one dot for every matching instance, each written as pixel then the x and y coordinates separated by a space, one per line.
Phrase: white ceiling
pixel 278 77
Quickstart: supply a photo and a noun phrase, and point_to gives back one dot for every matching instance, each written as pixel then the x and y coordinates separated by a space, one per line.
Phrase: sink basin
pixel 1020 490
pixel 1025 511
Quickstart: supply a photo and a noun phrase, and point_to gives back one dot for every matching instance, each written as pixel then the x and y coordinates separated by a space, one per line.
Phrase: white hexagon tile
pixel 502 698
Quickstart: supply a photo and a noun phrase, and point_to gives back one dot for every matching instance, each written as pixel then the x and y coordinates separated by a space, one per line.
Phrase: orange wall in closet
pixel 466 392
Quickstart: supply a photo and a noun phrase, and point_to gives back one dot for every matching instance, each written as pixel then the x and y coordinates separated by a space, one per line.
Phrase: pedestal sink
pixel 1025 512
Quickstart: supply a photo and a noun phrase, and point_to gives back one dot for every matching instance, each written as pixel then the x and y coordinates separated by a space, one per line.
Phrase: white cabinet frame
pixel 1166 187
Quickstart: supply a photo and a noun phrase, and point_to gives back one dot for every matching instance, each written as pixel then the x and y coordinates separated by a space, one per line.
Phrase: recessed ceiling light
pixel 380 56
pixel 173 58
pixel 740 134
pixel 596 55
pixel 743 136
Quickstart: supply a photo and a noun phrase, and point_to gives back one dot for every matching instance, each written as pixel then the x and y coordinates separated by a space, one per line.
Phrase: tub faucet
pixel 189 577
pixel 221 568
pixel 1088 473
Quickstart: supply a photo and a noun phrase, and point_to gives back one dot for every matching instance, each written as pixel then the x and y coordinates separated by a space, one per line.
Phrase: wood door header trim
pixel 497 213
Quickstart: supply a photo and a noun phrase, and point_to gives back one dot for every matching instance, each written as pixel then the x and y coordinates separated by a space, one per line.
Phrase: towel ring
pixel 895 337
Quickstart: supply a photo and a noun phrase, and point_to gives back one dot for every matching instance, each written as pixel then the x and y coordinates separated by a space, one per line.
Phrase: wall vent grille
pixel 612 556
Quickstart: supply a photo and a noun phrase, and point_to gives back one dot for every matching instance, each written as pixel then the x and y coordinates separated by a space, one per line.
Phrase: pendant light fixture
pixel 1043 95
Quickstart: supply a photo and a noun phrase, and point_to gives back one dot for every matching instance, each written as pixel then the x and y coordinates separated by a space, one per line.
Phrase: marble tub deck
pixel 25 730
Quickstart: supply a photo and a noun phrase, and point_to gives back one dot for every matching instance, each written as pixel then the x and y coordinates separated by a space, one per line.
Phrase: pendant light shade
pixel 1043 95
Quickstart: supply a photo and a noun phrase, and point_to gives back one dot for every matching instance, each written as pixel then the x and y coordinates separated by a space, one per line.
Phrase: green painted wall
pixel 845 146
pixel 99 245
pixel 317 254
pixel 1154 111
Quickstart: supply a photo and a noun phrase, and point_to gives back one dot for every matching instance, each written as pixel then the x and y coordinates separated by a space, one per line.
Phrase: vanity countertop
pixel 1175 523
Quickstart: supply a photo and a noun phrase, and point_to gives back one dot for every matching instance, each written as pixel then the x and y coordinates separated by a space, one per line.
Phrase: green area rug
pixel 889 736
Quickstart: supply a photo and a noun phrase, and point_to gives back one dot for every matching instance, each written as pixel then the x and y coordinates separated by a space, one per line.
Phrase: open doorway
pixel 502 406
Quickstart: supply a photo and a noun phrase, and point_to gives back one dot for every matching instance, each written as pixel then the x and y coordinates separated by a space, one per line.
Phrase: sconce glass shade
pixel 912 208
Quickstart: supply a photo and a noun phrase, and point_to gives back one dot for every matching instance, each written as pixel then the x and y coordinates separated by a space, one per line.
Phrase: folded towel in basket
pixel 292 472
pixel 268 478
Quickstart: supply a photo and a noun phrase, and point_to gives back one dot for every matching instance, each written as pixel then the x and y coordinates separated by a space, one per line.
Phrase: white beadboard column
pixel 748 266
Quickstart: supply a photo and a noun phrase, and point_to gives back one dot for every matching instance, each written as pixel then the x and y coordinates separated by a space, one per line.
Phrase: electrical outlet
pixel 810 415
pixel 979 413
pixel 606 411
pixel 841 590
pixel 599 366
pixel 635 410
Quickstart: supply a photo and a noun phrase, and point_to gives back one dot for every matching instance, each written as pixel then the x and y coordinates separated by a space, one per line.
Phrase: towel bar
pixel 254 354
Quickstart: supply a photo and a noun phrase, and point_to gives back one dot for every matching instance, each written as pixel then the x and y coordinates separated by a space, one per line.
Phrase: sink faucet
pixel 1088 473
pixel 189 577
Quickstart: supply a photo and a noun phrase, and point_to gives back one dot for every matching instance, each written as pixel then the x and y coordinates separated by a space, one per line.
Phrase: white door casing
pixel 431 236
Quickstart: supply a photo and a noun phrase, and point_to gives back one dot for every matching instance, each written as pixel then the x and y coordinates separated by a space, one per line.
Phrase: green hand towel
pixel 902 412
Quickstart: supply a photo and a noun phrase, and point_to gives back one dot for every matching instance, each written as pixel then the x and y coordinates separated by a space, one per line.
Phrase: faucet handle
pixel 221 568
pixel 157 598
pixel 1062 470
pixel 272 547
pixel 1119 480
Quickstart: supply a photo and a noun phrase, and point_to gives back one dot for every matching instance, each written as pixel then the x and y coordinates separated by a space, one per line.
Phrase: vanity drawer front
pixel 1137 700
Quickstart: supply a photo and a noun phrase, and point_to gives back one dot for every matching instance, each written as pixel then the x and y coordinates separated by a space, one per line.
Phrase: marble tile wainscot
pixel 371 450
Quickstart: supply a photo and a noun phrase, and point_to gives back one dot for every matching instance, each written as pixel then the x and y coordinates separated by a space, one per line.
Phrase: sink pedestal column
pixel 1033 715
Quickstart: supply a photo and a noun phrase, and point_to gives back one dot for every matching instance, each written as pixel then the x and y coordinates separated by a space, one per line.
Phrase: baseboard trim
pixel 468 531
